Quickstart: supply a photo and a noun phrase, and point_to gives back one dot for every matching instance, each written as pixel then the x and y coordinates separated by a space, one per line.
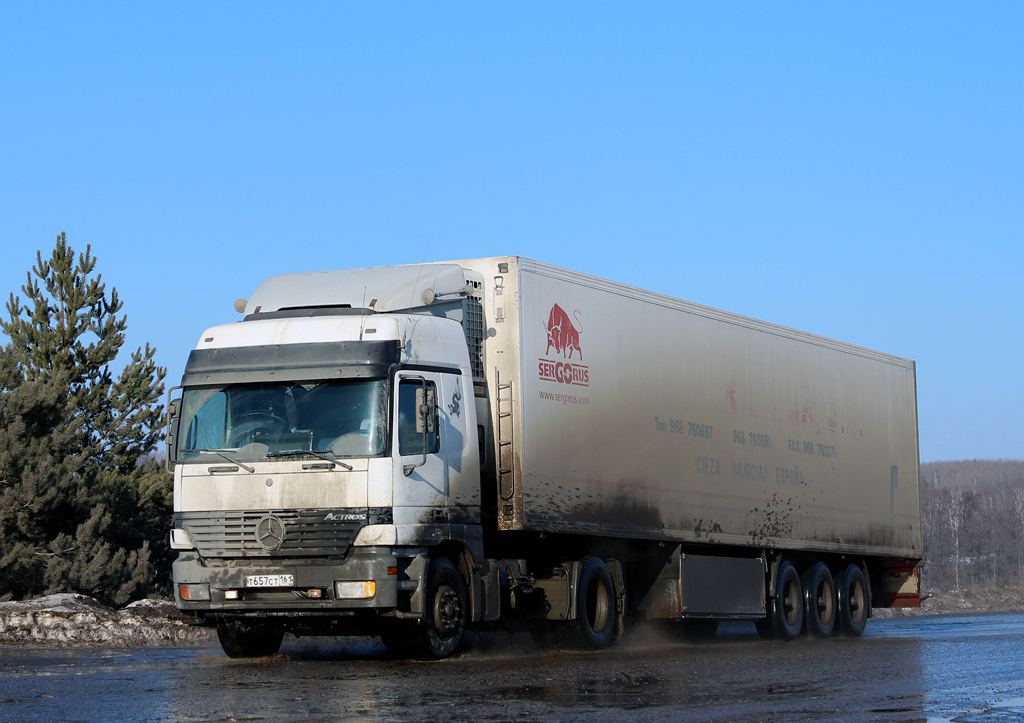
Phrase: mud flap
pixel 486 592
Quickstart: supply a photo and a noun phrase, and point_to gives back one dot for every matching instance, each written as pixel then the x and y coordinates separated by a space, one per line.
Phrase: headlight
pixel 191 592
pixel 344 590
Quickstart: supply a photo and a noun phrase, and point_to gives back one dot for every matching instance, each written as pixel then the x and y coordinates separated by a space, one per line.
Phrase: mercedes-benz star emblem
pixel 270 532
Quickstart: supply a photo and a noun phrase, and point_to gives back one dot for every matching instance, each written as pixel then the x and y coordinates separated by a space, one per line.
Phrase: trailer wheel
pixel 853 601
pixel 447 605
pixel 819 601
pixel 786 607
pixel 249 638
pixel 596 605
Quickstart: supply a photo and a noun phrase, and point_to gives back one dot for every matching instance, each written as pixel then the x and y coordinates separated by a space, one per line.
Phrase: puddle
pixel 1009 703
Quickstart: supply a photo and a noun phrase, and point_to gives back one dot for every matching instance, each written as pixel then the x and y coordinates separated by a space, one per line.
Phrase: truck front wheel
pixel 249 638
pixel 447 605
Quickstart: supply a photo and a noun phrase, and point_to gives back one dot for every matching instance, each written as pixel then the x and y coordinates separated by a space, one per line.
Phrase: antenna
pixel 412 300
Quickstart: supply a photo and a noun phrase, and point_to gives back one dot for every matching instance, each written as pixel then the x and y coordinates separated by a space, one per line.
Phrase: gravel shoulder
pixel 72 620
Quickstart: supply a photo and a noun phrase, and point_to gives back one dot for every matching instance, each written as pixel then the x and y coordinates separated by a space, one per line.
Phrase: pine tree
pixel 39 491
pixel 93 513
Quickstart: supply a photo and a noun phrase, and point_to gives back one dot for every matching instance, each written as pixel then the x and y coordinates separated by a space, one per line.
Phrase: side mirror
pixel 171 436
pixel 172 440
pixel 426 419
pixel 426 403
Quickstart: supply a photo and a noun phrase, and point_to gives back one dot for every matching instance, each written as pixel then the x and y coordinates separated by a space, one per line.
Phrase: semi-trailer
pixel 414 451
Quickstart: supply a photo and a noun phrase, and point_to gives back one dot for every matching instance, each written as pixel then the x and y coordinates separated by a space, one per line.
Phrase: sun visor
pixel 291 362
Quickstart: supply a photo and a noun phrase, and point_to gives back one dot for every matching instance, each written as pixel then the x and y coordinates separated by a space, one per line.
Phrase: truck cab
pixel 326 458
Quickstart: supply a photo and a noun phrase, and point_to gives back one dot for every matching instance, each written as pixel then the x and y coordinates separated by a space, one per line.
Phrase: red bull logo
pixel 563 336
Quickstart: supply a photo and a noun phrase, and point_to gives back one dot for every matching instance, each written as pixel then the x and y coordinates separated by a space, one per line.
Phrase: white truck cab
pixel 321 450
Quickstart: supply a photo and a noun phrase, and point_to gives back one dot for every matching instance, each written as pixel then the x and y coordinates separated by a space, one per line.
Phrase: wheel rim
pixel 447 611
pixel 791 602
pixel 597 605
pixel 857 601
pixel 825 602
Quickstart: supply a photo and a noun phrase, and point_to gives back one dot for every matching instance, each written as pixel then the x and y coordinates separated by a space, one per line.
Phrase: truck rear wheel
pixel 819 601
pixel 596 605
pixel 853 601
pixel 785 618
pixel 447 605
pixel 249 638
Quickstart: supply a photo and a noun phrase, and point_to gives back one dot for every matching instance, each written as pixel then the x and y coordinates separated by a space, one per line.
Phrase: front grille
pixel 307 533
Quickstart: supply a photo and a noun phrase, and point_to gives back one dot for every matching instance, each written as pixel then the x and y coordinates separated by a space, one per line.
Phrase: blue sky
pixel 855 171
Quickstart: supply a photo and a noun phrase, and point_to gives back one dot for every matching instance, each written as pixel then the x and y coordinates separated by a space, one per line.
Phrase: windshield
pixel 250 422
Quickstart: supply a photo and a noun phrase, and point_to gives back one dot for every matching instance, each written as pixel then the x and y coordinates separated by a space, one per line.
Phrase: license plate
pixel 270 581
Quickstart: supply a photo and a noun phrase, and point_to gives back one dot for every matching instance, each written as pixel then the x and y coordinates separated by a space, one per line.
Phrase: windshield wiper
pixel 217 452
pixel 322 455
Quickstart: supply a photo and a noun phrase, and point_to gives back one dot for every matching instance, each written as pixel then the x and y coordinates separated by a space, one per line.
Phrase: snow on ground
pixel 70 619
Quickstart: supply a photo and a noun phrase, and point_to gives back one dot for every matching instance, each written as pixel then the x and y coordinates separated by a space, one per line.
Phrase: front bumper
pixel 315 588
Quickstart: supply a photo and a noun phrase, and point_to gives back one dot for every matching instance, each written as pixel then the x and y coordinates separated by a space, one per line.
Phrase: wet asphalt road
pixel 956 668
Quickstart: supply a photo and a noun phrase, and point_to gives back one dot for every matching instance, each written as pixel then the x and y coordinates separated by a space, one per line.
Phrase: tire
pixel 852 595
pixel 786 607
pixel 444 625
pixel 596 605
pixel 820 606
pixel 249 638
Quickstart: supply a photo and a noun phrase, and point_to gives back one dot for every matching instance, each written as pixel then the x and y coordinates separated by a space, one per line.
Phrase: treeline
pixel 975 473
pixel 973 524
pixel 83 505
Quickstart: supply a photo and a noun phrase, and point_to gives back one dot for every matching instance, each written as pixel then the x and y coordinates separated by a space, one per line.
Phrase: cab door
pixel 461 443
pixel 421 468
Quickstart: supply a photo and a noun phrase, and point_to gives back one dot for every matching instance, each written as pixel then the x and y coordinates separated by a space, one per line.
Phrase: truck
pixel 415 451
